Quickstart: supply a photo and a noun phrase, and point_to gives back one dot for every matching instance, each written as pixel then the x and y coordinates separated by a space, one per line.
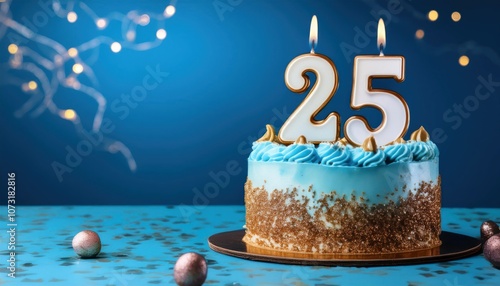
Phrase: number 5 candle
pixel 395 112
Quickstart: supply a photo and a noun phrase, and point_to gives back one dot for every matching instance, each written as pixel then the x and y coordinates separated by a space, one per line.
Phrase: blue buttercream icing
pixel 339 155
pixel 301 153
pixel 334 155
pixel 274 154
pixel 434 148
pixel 421 150
pixel 323 148
pixel 259 149
pixel 399 152
pixel 362 158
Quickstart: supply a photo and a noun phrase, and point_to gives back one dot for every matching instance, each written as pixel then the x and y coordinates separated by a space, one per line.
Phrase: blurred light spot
pixel 12 48
pixel 433 15
pixel 25 87
pixel 116 47
pixel 32 85
pixel 101 23
pixel 70 80
pixel 72 52
pixel 419 34
pixel 132 15
pixel 169 11
pixel 463 61
pixel 143 20
pixel 161 34
pixel 72 17
pixel 58 60
pixel 455 16
pixel 130 35
pixel 77 68
pixel 69 114
pixel 76 85
pixel 15 63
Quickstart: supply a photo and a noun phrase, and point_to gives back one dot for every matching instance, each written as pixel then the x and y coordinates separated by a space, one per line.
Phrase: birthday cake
pixel 337 198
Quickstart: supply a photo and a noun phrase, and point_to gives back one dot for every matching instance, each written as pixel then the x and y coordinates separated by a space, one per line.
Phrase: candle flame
pixel 313 33
pixel 381 36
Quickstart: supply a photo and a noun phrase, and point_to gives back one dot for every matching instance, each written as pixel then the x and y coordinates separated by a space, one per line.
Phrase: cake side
pixel 309 220
pixel 334 198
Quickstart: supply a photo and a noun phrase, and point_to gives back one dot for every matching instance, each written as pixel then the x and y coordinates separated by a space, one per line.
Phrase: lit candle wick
pixel 381 36
pixel 313 33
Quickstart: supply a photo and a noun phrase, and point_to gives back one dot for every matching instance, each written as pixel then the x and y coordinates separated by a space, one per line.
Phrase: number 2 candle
pixel 302 122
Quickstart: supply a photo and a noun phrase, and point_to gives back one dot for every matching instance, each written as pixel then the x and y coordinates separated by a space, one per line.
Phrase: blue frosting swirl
pixel 300 153
pixel 434 148
pixel 421 151
pixel 362 158
pixel 334 155
pixel 323 148
pixel 274 154
pixel 399 152
pixel 259 149
pixel 339 155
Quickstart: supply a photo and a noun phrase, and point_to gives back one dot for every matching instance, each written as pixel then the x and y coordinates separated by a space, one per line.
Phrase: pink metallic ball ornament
pixel 190 270
pixel 87 244
pixel 491 250
pixel 488 229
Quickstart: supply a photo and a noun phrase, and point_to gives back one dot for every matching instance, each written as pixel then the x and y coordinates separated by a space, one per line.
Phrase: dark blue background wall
pixel 225 62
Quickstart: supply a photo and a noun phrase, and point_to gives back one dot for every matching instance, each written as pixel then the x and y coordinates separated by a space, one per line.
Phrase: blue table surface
pixel 142 243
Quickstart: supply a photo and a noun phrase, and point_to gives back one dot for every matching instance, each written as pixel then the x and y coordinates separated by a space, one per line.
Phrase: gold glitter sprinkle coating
pixel 281 220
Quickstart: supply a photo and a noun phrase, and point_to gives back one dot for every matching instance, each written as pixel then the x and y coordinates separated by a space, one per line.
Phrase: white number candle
pixel 395 112
pixel 302 122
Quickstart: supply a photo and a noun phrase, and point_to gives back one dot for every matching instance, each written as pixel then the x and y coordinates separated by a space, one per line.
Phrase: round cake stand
pixel 454 246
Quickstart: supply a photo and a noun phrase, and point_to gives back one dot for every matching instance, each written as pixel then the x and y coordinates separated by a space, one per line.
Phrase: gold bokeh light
pixel 455 16
pixel 433 15
pixel 419 34
pixel 12 48
pixel 463 60
pixel 78 68
pixel 69 114
pixel 101 23
pixel 72 17
pixel 169 11
pixel 161 34
pixel 72 52
pixel 32 85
